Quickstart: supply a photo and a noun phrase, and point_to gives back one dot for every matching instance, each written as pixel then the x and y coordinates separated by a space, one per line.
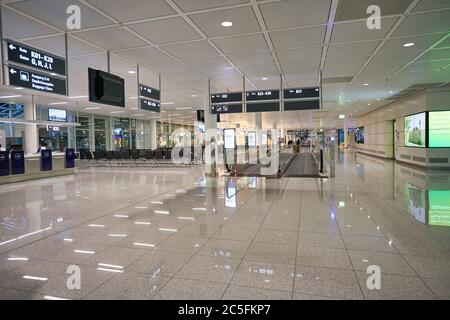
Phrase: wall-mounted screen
pixel 106 88
pixel 439 129
pixel 415 130
pixel 252 139
pixel 57 115
pixel 359 135
pixel 439 208
pixel 229 138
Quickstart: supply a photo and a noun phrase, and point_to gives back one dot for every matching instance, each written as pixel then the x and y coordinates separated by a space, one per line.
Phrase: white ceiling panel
pixel 357 9
pixel 133 9
pixel 193 49
pixel 420 43
pixel 434 55
pixel 194 5
pixel 209 66
pixel 352 49
pixel 302 79
pixel 247 43
pixel 432 5
pixel 56 45
pixel 144 55
pixel 300 56
pixel 166 31
pixel 252 59
pixel 295 13
pixel 358 31
pixel 114 38
pixel 397 58
pixel 54 13
pixel 304 37
pixel 16 26
pixel 428 65
pixel 244 21
pixel 432 22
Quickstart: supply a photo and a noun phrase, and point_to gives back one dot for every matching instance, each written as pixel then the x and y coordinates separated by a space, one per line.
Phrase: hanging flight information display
pixel 150 105
pixel 38 59
pixel 149 92
pixel 296 99
pixel 264 95
pixel 227 97
pixel 263 107
pixel 226 108
pixel 301 93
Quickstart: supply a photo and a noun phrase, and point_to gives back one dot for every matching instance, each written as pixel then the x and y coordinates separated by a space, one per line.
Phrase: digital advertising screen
pixel 439 129
pixel 263 139
pixel 415 130
pixel 359 135
pixel 229 138
pixel 252 139
pixel 415 202
pixel 439 208
pixel 57 115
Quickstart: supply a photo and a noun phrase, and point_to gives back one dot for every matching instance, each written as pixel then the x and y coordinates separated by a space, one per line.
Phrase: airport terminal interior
pixel 225 150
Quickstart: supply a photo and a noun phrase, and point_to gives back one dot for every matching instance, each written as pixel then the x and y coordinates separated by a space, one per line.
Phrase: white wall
pixel 379 130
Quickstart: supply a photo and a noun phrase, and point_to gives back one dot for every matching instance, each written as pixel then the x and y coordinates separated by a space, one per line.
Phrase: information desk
pixel 34 170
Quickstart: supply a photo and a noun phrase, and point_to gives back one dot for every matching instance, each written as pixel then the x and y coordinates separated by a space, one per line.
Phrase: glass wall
pixel 11 133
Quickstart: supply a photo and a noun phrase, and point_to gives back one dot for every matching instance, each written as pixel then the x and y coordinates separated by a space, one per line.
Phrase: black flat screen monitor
pixel 106 88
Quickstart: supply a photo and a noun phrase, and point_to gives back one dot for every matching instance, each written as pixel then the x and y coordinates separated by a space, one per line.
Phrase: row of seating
pixel 157 154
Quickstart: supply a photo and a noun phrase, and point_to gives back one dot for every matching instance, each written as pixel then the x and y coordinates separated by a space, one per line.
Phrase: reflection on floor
pixel 173 234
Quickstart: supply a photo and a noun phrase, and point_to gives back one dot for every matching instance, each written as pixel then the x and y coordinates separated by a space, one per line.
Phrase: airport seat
pixel 126 155
pixel 168 154
pixel 158 154
pixel 117 155
pixel 99 155
pixel 89 155
pixel 148 155
pixel 135 154
pixel 109 155
pixel 142 153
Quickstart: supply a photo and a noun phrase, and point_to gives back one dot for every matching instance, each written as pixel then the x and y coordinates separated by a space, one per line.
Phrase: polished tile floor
pixel 174 234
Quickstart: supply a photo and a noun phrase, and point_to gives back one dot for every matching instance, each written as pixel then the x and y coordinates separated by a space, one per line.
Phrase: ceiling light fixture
pixel 9 97
pixel 409 44
pixel 117 112
pixel 57 103
pixel 167 103
pixel 78 97
pixel 365 84
pixel 18 88
pixel 265 78
pixel 226 24
pixel 91 108
pixel 131 72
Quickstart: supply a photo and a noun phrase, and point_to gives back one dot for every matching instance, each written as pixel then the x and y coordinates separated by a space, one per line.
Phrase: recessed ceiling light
pixel 193 95
pixel 226 24
pixel 378 99
pixel 365 84
pixel 264 78
pixel 18 88
pixel 167 103
pixel 53 74
pixel 342 116
pixel 131 72
pixel 391 91
pixel 117 112
pixel 409 44
pixel 57 103
pixel 91 108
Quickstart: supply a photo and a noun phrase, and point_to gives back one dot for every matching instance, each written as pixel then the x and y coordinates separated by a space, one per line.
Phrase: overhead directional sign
pixel 227 97
pixel 226 108
pixel 22 77
pixel 263 95
pixel 150 105
pixel 149 92
pixel 263 107
pixel 31 57
pixel 301 93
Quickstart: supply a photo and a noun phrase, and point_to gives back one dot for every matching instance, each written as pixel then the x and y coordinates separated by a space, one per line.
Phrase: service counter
pixel 17 167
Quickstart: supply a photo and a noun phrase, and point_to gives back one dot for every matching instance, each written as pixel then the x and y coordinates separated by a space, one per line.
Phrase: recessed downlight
pixel 409 44
pixel 265 78
pixel 131 72
pixel 226 24
pixel 365 84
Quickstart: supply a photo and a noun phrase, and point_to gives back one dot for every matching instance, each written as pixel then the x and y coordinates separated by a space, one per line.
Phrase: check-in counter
pixel 36 167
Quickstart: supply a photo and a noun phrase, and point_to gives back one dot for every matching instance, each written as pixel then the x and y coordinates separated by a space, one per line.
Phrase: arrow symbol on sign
pixel 12 47
pixel 13 71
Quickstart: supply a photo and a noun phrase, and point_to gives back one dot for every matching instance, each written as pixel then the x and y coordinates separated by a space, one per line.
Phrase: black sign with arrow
pixel 150 105
pixel 21 77
pixel 149 92
pixel 19 53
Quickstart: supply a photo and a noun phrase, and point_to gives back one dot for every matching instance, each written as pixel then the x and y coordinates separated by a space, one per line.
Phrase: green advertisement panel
pixel 415 130
pixel 439 129
pixel 439 208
